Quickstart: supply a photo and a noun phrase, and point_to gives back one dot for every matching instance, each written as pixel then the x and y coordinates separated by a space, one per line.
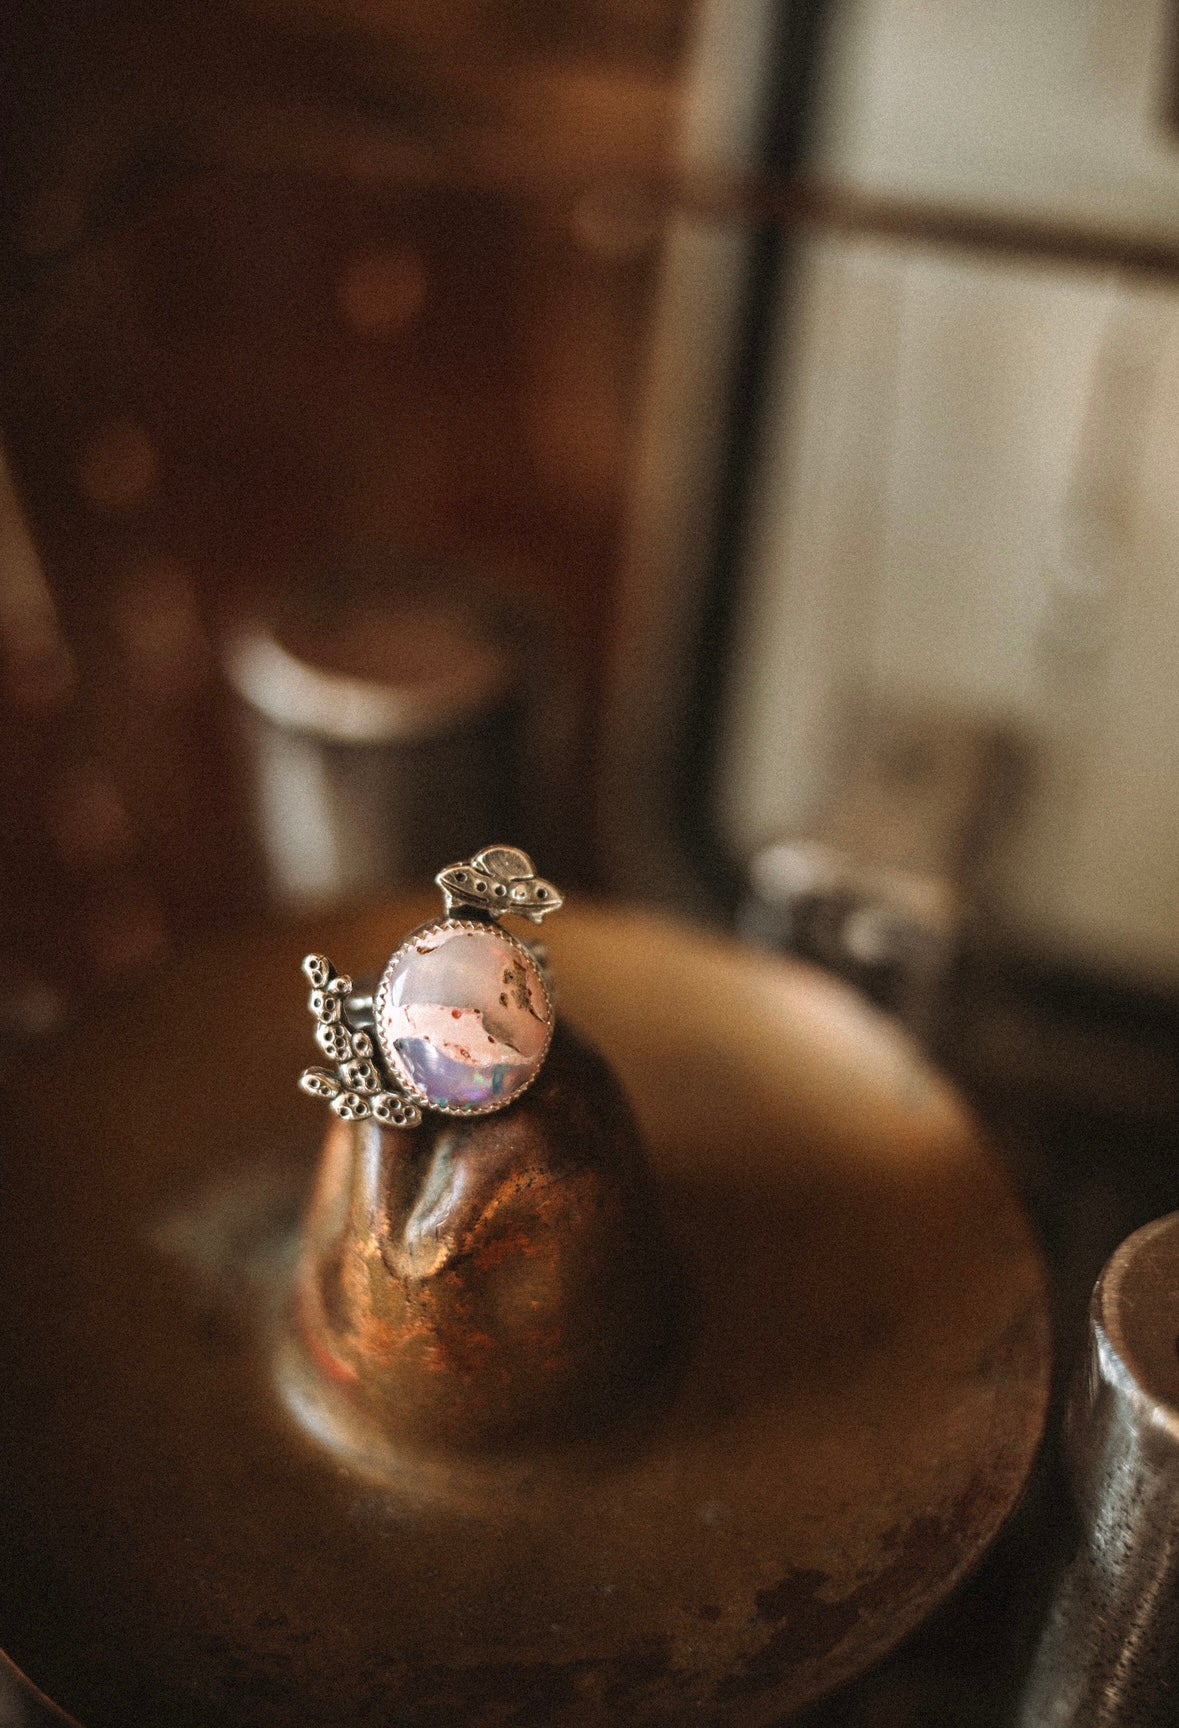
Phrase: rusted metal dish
pixel 859 1409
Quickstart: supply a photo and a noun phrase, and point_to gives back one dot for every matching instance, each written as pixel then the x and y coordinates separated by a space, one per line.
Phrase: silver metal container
pixel 1109 1654
pixel 382 736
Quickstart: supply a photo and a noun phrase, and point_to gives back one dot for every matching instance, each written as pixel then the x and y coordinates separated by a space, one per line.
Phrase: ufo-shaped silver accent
pixel 499 880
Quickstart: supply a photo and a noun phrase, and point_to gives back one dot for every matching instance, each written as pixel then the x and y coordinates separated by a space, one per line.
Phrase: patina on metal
pixel 1109 1654
pixel 485 1284
pixel 231 1493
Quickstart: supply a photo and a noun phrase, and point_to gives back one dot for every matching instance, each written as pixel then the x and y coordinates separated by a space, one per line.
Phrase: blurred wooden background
pixel 281 276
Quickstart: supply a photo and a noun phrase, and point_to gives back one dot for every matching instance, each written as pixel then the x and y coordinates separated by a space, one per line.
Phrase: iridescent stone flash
pixel 463 1016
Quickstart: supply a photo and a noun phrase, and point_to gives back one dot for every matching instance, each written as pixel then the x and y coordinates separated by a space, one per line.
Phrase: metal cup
pixel 381 736
pixel 1109 1654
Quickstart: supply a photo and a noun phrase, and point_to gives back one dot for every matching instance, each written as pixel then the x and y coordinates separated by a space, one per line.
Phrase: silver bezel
pixel 392 1060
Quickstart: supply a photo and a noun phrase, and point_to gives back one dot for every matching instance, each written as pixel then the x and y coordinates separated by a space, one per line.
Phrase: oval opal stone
pixel 463 1017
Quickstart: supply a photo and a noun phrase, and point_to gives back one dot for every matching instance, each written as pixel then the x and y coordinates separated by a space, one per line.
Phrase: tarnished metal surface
pixel 856 1416
pixel 487 1284
pixel 1109 1656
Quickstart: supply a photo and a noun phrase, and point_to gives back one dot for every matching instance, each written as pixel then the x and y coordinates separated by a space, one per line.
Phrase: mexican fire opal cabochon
pixel 463 1017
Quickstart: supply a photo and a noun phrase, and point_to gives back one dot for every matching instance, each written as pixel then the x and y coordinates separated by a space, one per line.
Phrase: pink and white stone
pixel 463 1017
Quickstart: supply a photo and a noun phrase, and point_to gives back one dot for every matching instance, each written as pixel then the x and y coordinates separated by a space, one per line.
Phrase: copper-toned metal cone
pixel 473 1285
pixel 855 1413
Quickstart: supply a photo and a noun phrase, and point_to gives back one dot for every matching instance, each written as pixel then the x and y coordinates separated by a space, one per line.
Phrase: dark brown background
pixel 281 279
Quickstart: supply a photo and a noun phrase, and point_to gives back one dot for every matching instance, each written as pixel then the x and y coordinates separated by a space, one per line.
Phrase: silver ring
pixel 462 1018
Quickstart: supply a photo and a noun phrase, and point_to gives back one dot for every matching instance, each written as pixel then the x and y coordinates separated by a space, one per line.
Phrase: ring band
pixel 462 1018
